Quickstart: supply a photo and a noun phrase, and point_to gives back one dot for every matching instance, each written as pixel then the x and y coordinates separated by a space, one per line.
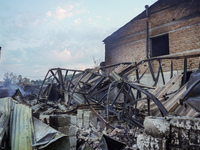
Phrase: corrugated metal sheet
pixel 52 136
pixel 4 119
pixel 21 128
pixel 5 107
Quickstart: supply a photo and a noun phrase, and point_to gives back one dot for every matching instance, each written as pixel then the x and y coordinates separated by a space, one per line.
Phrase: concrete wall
pixel 170 133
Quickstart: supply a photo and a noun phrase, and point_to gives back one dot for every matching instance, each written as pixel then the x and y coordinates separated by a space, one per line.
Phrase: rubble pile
pixel 87 110
pixel 93 134
pixel 159 132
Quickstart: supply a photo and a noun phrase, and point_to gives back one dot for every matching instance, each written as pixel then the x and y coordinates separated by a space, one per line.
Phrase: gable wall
pixel 181 21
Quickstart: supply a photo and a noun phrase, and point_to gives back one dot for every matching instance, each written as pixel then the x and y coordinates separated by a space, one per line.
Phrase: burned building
pixel 168 27
pixel 147 102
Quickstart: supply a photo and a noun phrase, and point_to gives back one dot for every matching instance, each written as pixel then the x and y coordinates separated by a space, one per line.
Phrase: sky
pixel 38 35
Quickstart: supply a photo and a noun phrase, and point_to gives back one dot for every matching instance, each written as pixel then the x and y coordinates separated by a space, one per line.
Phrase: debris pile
pixel 169 133
pixel 93 111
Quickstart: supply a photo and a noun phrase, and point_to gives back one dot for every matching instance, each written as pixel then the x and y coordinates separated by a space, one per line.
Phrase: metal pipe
pixel 184 97
pixel 155 58
pixel 147 10
pixel 147 31
pixel 162 109
pixel 147 39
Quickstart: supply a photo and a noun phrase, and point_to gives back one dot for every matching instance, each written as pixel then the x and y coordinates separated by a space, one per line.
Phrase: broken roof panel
pixel 6 104
pixel 46 135
pixel 5 108
pixel 4 119
pixel 21 128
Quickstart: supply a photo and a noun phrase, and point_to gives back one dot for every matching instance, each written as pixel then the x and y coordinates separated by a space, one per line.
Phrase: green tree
pixel 7 80
pixel 10 78
pixel 36 82
pixel 19 78
pixel 26 80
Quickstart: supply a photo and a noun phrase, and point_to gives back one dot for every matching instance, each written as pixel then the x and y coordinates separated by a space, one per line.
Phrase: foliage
pixel 10 78
pixel 37 82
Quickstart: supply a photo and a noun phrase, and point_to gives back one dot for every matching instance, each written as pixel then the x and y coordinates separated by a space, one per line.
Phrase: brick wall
pixel 185 39
pixel 124 53
pixel 179 19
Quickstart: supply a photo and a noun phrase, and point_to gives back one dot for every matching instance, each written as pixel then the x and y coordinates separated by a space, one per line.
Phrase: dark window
pixel 160 45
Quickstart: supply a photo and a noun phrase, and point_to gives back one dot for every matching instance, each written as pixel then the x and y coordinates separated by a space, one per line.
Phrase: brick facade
pixel 180 19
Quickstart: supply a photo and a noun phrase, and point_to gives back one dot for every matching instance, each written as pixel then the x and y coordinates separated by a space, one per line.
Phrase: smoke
pixel 13 87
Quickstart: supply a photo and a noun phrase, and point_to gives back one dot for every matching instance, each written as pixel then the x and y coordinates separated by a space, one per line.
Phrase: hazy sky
pixel 41 34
